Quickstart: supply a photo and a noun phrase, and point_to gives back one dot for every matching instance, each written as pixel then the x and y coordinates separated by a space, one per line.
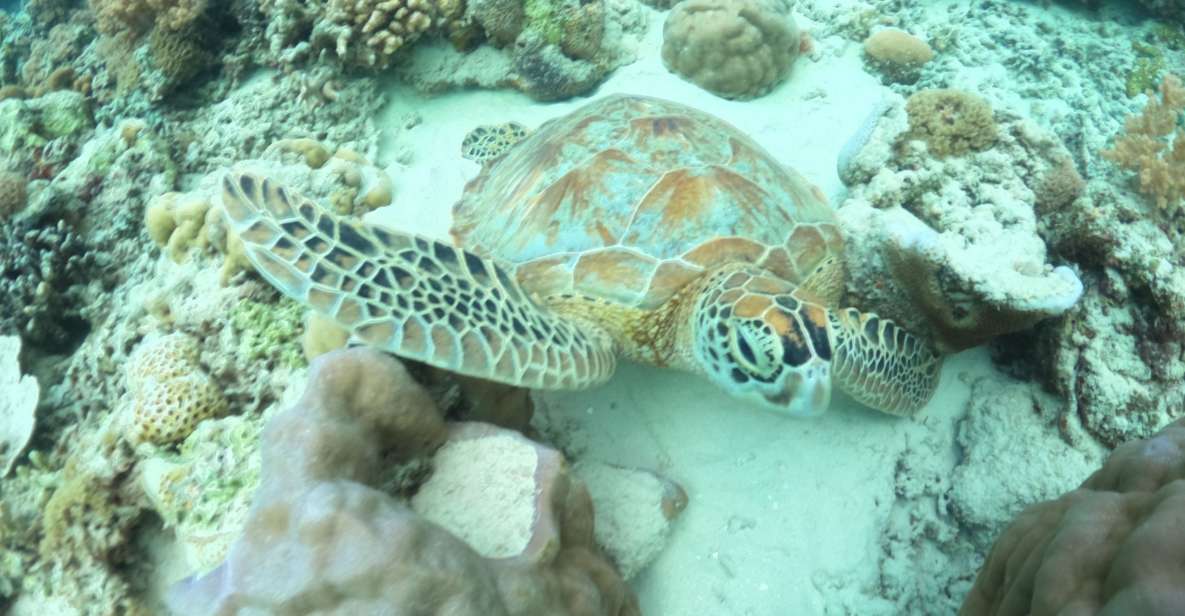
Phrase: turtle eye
pixel 752 346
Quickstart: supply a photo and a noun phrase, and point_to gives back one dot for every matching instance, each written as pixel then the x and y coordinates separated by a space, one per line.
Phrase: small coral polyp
pixel 170 393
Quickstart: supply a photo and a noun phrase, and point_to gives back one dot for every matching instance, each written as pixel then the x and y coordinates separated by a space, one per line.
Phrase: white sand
pixel 785 516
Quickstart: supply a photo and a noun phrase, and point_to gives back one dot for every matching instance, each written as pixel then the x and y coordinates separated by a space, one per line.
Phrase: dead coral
pixel 1112 546
pixel 1153 145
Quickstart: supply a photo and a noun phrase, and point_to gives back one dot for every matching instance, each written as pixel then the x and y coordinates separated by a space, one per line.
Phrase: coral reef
pixel 170 393
pixel 18 404
pixel 1117 359
pixel 736 49
pixel 1145 148
pixel 203 491
pixel 559 50
pixel 365 34
pixel 1111 546
pixel 949 247
pixel 320 533
pixel 897 54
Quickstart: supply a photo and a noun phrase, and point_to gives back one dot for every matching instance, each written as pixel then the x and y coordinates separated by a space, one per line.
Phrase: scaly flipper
pixel 415 297
pixel 879 364
pixel 488 143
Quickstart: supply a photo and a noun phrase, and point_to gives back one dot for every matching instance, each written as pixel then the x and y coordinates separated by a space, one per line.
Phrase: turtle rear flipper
pixel 487 143
pixel 415 297
pixel 881 365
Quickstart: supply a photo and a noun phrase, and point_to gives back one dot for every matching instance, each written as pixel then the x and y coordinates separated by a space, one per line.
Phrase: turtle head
pixel 768 349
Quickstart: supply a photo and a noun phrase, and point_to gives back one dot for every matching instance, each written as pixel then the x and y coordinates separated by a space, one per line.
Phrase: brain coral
pixel 1113 546
pixel 737 49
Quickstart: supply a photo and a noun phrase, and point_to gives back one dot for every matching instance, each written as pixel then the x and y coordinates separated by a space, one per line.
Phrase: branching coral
pixel 735 49
pixel 372 31
pixel 1153 145
pixel 1113 546
pixel 42 269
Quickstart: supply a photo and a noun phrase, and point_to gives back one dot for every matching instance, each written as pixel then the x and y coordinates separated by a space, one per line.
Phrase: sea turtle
pixel 632 227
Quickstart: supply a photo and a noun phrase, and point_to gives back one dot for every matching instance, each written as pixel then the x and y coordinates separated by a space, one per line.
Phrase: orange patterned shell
pixel 629 198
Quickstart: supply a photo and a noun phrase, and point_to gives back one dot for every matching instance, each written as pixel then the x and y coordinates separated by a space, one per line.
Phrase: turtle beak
pixel 805 390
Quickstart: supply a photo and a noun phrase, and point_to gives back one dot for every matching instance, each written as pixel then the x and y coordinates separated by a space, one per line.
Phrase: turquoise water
pixel 1005 176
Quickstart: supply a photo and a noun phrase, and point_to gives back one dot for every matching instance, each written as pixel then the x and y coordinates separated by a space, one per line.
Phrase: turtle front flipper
pixel 415 297
pixel 879 364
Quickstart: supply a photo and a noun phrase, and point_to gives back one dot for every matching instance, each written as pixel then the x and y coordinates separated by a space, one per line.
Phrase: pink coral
pixel 1113 546
pixel 321 538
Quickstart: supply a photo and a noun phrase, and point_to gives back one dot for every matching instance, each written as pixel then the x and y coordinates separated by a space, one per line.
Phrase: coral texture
pixel 951 122
pixel 736 49
pixel 170 392
pixel 321 537
pixel 1153 145
pixel 1113 546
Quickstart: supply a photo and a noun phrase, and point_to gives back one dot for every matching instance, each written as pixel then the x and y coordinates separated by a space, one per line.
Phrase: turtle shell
pixel 629 198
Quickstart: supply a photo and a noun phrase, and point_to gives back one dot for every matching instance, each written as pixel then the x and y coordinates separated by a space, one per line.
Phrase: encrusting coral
pixel 1113 546
pixel 737 49
pixel 1145 148
pixel 170 392
pixel 321 535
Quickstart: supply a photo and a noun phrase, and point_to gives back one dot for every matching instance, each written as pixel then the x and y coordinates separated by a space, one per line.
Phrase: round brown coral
pixel 736 49
pixel 1113 546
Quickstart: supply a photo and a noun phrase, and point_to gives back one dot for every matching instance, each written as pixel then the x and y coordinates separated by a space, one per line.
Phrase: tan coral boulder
pixel 322 537
pixel 738 49
pixel 1113 546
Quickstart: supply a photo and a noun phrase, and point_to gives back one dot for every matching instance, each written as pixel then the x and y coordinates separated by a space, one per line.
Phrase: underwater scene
pixel 592 307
